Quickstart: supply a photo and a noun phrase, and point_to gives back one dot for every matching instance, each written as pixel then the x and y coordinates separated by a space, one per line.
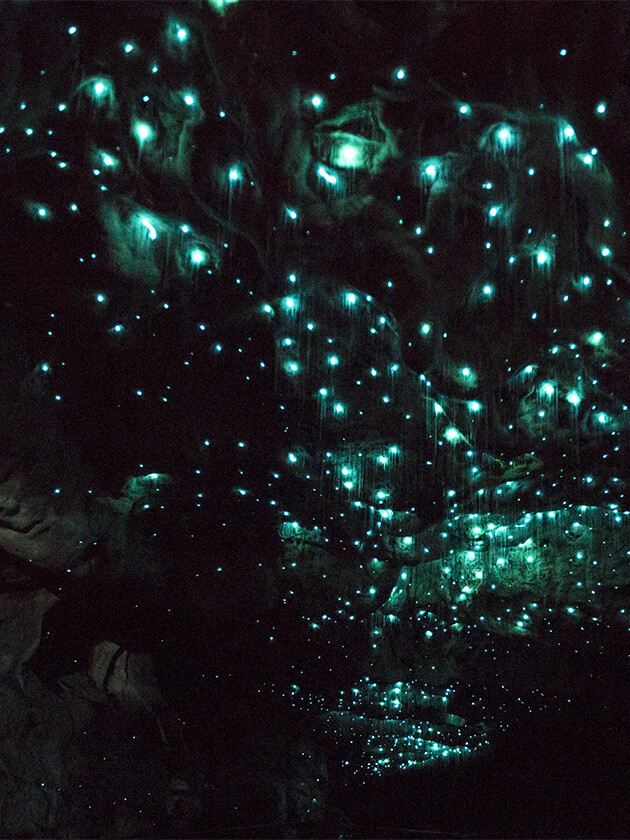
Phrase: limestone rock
pixel 33 529
pixel 128 676
pixel 20 627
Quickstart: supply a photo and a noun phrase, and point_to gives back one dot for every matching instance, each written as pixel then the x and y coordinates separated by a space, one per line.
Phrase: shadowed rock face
pixel 33 529
pixel 21 615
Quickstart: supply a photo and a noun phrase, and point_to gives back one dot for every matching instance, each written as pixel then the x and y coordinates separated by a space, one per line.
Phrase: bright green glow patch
pixel 347 156
pixel 317 101
pixel 290 304
pixel 548 389
pixel 198 257
pixel 327 175
pixel 453 435
pixel 465 109
pixel 190 98
pixel 475 406
pixel 221 5
pixel 543 257
pixel 400 74
pixel 339 408
pixel 292 368
pixel 292 214
pixel 504 137
pixel 574 398
pixel 146 223
pixel 601 108
pixel 595 338
pixel 605 251
pixel 333 361
pixel 101 88
pixel 351 298
pixel 585 158
pixel 143 132
pixel 108 161
pixel 425 329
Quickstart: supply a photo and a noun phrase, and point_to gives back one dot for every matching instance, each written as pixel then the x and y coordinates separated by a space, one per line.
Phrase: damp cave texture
pixel 314 419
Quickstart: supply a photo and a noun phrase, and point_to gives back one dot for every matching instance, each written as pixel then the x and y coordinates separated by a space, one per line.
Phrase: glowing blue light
pixel 333 361
pixel 574 398
pixel 543 257
pixel 143 131
pixel 605 251
pixel 235 175
pixel 568 132
pixel 351 298
pixel 327 175
pixel 317 101
pixel 473 405
pixel 548 389
pixel 197 256
pixel 504 137
pixel 128 48
pixel 425 329
pixel 323 392
pixel 190 99
pixel 488 290
pixel 45 368
pixel 147 224
pixel 464 109
pixel 292 458
pixel 339 408
pixel 100 298
pixel 290 303
pixel 493 211
pixel 182 34
pixel 292 214
pixel 400 74
pixel 601 108
pixel 72 30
